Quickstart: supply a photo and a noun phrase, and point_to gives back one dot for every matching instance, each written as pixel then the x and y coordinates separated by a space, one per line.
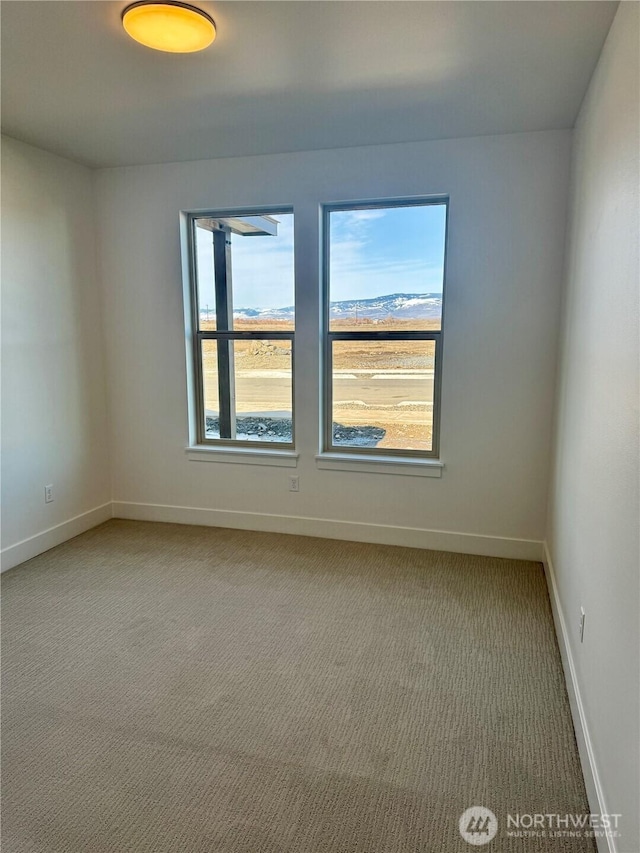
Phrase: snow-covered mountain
pixel 400 305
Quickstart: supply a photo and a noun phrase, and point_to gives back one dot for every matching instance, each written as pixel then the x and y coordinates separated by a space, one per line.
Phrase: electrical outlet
pixel 582 617
pixel 294 483
pixel 48 494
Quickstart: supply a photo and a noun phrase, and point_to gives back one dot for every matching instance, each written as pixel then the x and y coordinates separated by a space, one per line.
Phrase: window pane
pixel 383 394
pixel 386 267
pixel 210 381
pixel 260 391
pixel 260 262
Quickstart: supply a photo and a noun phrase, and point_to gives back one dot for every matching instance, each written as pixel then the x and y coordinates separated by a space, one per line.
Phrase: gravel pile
pixel 279 429
pixel 360 436
pixel 255 429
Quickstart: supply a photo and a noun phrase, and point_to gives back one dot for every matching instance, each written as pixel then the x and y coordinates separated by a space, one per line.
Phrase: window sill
pixel 243 456
pixel 404 465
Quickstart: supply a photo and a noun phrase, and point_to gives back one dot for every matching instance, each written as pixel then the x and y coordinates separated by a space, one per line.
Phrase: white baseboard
pixel 378 534
pixel 592 782
pixel 34 545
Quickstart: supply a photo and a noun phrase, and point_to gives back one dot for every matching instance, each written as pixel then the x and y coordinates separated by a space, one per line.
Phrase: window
pixel 242 298
pixel 384 282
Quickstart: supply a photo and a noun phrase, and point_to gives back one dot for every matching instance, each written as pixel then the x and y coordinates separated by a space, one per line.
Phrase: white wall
pixel 594 516
pixel 54 428
pixel 507 220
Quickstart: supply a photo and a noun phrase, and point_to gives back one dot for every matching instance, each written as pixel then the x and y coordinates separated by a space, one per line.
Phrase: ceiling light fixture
pixel 169 26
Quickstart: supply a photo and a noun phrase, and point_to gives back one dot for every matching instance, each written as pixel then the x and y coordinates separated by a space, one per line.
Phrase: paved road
pixel 265 390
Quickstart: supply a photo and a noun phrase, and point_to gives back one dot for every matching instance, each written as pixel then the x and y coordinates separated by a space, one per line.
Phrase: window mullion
pixel 256 335
pixel 385 336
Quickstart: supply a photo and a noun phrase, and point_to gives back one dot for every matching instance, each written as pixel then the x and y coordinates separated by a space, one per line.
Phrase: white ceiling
pixel 287 76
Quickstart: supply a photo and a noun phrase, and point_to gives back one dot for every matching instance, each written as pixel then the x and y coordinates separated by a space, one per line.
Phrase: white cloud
pixel 365 215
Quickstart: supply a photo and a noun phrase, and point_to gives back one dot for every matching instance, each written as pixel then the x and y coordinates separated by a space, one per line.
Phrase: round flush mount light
pixel 172 27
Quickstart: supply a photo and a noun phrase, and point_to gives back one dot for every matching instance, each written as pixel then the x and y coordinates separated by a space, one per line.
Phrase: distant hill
pixel 400 305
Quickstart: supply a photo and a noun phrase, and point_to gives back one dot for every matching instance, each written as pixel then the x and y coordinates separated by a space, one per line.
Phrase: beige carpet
pixel 172 688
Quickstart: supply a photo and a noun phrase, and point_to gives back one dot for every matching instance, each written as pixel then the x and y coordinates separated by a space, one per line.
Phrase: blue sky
pixel 373 253
pixel 386 250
